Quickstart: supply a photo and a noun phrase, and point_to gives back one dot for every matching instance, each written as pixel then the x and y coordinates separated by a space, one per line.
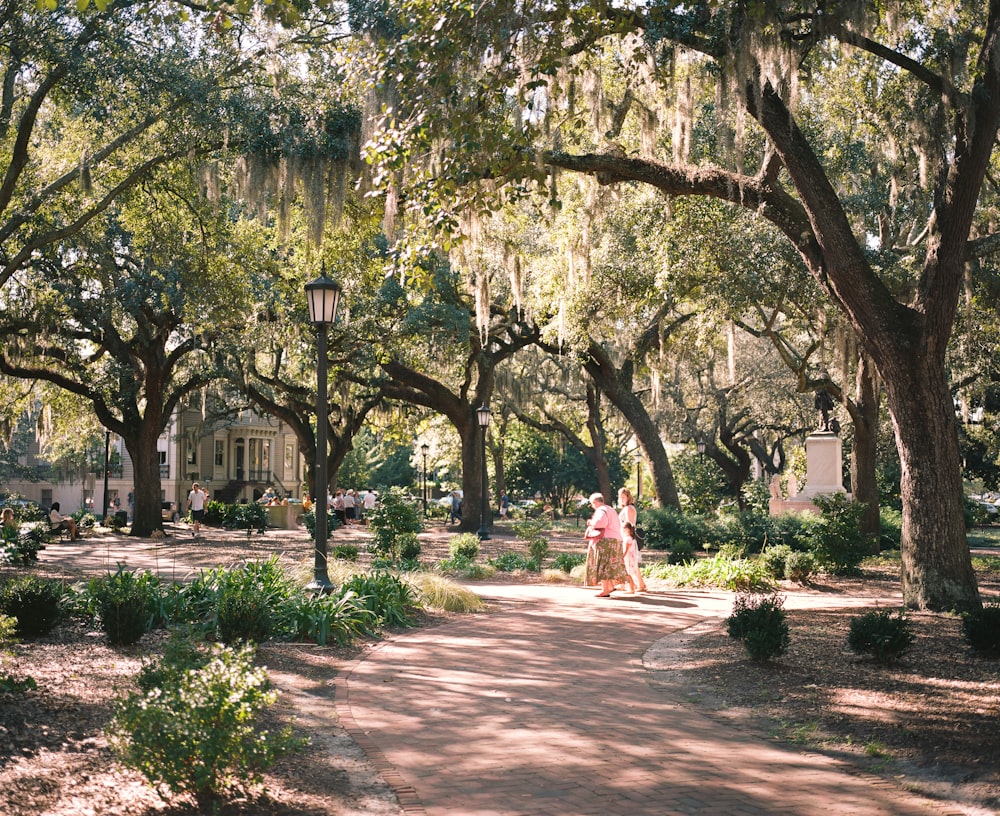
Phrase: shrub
pixel 799 566
pixel 890 528
pixel 125 603
pixel 345 552
pixel 21 546
pixel 530 530
pixel 681 552
pixel 734 574
pixel 309 522
pixel 982 629
pixel 249 601
pixel 390 520
pixel 837 542
pixel 512 561
pixel 197 733
pixel 9 684
pixel 35 603
pixel 340 617
pixel 465 568
pixel 566 561
pixel 664 525
pixel 464 545
pixel 880 635
pixel 407 547
pixel 440 593
pixel 390 599
pixel 774 560
pixel 251 517
pixel 760 622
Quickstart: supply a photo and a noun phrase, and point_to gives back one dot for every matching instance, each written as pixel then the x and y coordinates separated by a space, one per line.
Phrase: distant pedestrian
pixel 197 499
pixel 630 554
pixel 504 505
pixel 456 507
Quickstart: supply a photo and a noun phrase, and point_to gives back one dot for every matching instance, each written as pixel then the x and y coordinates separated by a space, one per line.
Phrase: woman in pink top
pixel 605 562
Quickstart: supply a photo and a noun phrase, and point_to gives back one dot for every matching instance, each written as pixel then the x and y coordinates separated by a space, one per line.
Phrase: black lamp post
pixel 483 414
pixel 107 472
pixel 424 449
pixel 700 444
pixel 323 295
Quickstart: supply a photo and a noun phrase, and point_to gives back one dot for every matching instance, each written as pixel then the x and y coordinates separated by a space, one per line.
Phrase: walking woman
pixel 605 563
pixel 628 516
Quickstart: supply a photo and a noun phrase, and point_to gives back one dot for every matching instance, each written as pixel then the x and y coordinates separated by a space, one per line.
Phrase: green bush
pixel 338 617
pixel 681 552
pixel 880 635
pixel 566 561
pixel 531 531
pixel 309 522
pixel 890 528
pixel 836 541
pixel 345 552
pixel 734 574
pixel 251 517
pixel 35 603
pixel 464 545
pixel 774 560
pixel 21 546
pixel 799 566
pixel 250 598
pixel 126 604
pixel 197 733
pixel 513 561
pixel 465 568
pixel 390 521
pixel 665 525
pixel 408 547
pixel 760 622
pixel 391 600
pixel 982 629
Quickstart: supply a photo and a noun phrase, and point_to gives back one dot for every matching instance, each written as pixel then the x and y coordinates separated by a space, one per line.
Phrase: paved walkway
pixel 555 705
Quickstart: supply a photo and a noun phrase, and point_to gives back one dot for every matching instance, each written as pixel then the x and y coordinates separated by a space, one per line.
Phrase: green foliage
pixel 799 566
pixel 464 545
pixel 21 546
pixel 701 484
pixel 982 629
pixel 664 525
pixel 531 531
pixel 338 617
pixel 85 520
pixel 251 517
pixel 250 598
pixel 774 558
pixel 465 568
pixel 345 552
pixel 35 602
pixel 681 552
pixel 880 635
pixel 760 622
pixel 836 541
pixel 566 561
pixel 734 574
pixel 391 600
pixel 309 522
pixel 197 731
pixel 215 512
pixel 391 519
pixel 890 528
pixel 513 561
pixel 126 604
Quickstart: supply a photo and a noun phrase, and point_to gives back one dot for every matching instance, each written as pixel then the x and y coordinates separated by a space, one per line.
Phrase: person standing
pixel 605 560
pixel 369 503
pixel 456 507
pixel 630 553
pixel 196 504
pixel 349 507
pixel 504 505
pixel 629 516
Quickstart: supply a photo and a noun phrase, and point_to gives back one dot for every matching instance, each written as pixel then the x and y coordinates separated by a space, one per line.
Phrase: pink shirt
pixel 606 520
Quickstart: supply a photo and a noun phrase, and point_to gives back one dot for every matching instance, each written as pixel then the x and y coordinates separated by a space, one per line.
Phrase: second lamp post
pixel 424 449
pixel 323 295
pixel 483 415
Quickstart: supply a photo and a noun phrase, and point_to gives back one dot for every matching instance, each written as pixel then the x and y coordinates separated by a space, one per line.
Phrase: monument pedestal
pixel 824 469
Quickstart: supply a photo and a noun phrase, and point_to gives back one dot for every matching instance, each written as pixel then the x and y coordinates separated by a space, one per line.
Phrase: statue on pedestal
pixel 824 404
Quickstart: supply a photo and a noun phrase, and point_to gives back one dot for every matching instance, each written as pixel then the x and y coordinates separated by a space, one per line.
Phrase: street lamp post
pixel 700 444
pixel 483 415
pixel 323 295
pixel 424 449
pixel 107 468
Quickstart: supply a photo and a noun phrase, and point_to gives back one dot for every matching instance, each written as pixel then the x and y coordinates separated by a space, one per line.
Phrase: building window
pixel 220 453
pixel 192 457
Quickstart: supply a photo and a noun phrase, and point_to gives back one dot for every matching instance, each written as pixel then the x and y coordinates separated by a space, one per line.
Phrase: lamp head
pixel 483 414
pixel 323 295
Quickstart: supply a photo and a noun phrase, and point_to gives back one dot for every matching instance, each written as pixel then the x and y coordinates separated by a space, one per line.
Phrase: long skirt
pixel 605 562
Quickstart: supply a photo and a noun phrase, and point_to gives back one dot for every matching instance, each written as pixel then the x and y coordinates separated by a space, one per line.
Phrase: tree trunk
pixel 472 475
pixel 936 570
pixel 864 419
pixel 147 515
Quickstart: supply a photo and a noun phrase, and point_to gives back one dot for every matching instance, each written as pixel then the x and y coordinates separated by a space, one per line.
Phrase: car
pixel 169 512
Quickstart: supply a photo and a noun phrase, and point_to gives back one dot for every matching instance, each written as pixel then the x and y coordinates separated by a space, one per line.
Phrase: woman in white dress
pixel 628 515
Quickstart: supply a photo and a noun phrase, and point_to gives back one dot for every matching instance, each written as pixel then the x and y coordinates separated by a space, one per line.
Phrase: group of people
pixel 612 548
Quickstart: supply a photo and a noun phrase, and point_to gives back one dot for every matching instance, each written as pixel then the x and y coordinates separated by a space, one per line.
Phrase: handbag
pixel 640 536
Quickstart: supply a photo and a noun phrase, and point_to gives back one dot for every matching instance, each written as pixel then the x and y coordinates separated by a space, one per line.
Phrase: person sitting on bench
pixel 57 521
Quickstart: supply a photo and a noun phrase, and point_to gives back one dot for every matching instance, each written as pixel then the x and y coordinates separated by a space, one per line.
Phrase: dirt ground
pixel 934 716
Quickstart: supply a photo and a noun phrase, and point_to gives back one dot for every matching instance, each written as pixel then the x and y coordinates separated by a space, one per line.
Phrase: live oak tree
pixel 518 92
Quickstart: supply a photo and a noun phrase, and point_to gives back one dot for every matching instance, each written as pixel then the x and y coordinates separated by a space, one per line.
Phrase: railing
pixel 164 471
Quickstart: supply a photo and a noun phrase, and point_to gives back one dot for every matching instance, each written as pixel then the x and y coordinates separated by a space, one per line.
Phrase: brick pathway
pixel 546 708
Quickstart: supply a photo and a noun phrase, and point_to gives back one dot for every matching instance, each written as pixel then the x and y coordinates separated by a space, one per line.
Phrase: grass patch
pixel 438 592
